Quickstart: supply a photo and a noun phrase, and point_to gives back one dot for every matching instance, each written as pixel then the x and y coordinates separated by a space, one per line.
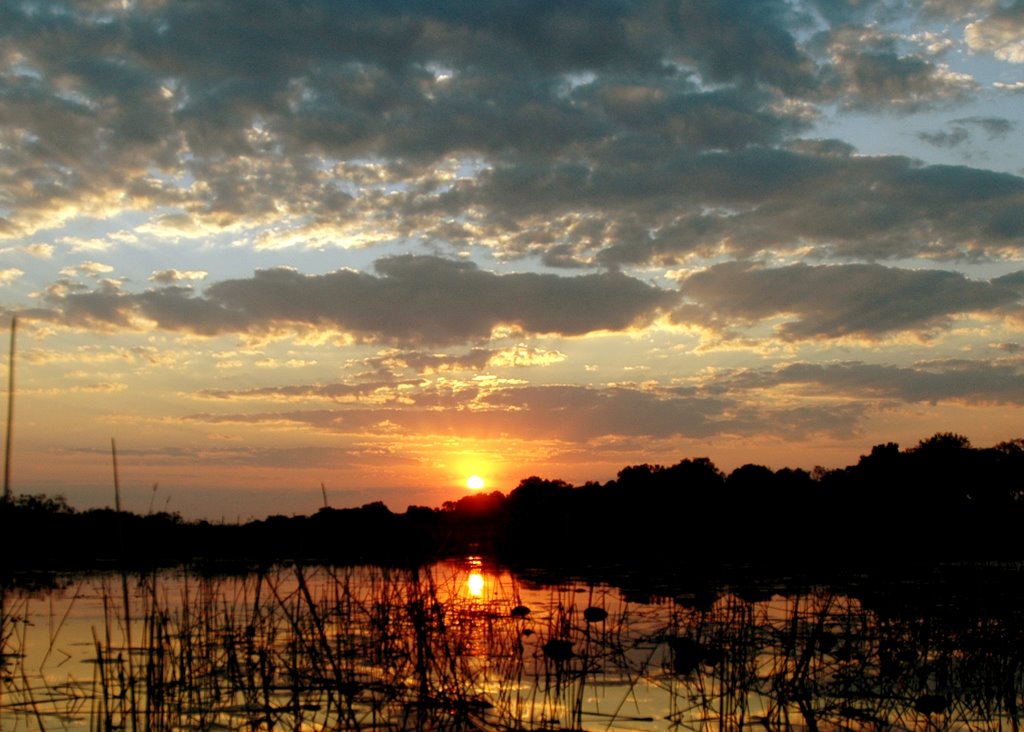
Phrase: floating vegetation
pixel 372 648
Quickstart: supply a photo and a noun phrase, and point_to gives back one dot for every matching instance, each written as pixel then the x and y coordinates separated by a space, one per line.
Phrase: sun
pixel 475 482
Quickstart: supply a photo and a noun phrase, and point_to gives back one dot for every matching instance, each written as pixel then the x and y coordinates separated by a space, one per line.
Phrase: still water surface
pixel 463 646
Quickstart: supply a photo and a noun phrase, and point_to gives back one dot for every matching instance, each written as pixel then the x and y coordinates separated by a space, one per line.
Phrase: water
pixel 465 646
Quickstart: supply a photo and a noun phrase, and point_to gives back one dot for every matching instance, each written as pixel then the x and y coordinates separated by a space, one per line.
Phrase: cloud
pixel 519 356
pixel 572 414
pixel 868 72
pixel 98 388
pixel 124 102
pixel 376 392
pixel 522 356
pixel 760 200
pixel 421 362
pixel 579 414
pixel 81 244
pixel 172 276
pixel 40 251
pixel 412 299
pixel 832 301
pixel 388 393
pixel 965 382
pixel 432 301
pixel 690 119
pixel 89 269
pixel 97 355
pixel 953 138
pixel 9 275
pixel 833 400
pixel 608 133
pixel 994 127
pixel 933 43
pixel 1000 33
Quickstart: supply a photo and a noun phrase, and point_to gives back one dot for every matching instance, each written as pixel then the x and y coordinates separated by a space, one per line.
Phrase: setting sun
pixel 475 482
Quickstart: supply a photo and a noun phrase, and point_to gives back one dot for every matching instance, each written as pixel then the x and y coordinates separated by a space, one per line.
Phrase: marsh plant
pixel 461 646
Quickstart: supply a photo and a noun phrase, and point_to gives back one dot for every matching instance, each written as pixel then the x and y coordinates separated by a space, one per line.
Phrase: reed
pixel 360 648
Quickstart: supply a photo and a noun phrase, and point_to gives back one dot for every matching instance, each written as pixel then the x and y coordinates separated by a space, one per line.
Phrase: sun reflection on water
pixel 475 583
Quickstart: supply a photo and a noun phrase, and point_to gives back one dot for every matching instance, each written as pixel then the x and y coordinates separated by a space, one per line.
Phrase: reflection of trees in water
pixel 366 648
pixel 822 661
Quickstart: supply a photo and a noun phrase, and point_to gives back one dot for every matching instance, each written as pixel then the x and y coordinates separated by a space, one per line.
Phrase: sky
pixel 282 251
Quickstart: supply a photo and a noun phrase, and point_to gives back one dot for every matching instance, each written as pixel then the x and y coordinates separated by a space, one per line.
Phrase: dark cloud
pixel 346 76
pixel 885 80
pixel 954 137
pixel 994 127
pixel 971 382
pixel 567 413
pixel 608 133
pixel 863 207
pixel 1014 281
pixel 869 70
pixel 865 300
pixel 664 114
pixel 959 132
pixel 318 392
pixel 411 299
pixel 821 399
pixel 434 301
pixel 420 362
pixel 578 414
pixel 748 40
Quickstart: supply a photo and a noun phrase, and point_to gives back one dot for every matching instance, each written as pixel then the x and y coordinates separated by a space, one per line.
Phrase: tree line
pixel 942 499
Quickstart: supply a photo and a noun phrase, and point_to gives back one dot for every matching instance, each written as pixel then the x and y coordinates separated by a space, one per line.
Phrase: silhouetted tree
pixel 477 505
pixel 1011 447
pixel 539 507
pixel 749 478
pixel 538 491
pixel 39 503
pixel 944 441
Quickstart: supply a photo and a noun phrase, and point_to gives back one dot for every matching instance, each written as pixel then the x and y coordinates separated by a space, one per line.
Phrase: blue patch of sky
pixel 898 134
pixel 873 134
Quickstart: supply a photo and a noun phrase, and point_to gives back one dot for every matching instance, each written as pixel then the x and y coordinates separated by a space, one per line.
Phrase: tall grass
pixel 360 648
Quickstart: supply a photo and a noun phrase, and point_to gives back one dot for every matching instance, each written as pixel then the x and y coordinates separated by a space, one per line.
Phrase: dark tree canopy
pixel 941 499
